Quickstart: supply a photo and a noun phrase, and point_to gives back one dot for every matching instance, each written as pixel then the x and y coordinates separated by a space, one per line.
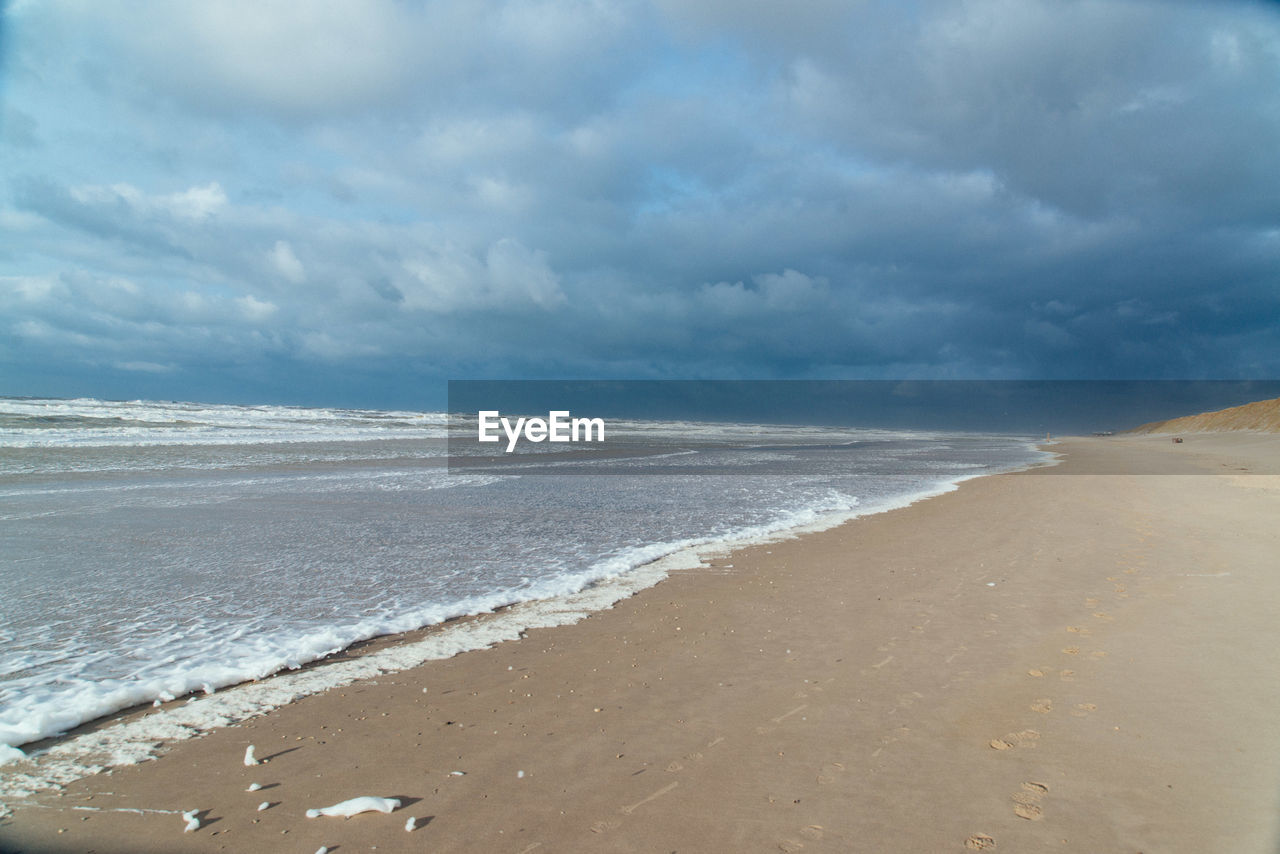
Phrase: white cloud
pixel 254 310
pixel 194 203
pixel 14 221
pixel 286 263
pixel 553 28
pixel 788 291
pixel 471 139
pixel 501 195
pixel 520 274
pixel 277 54
pixel 811 89
pixel 193 304
pixel 318 59
pixel 115 287
pixel 29 288
pixel 442 281
pixel 46 333
pixel 510 276
pixel 1224 47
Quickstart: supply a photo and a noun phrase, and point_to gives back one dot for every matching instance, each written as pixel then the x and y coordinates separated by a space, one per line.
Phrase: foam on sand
pixel 143 738
pixel 355 806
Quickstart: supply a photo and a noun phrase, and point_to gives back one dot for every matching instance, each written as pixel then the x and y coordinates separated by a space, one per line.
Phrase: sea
pixel 156 553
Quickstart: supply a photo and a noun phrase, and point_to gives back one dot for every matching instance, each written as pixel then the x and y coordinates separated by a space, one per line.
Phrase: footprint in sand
pixel 813 831
pixel 1036 672
pixel 1031 812
pixel 1092 602
pixel 605 826
pixel 1026 803
pixel 1043 706
pixel 1078 630
pixel 790 845
pixel 979 842
pixel 674 767
pixel 1067 675
pixel 829 772
pixel 1106 618
pixel 1025 738
pixel 1083 709
pixel 1097 653
pixel 1071 650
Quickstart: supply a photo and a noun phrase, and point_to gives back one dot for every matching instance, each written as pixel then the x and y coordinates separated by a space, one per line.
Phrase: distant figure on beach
pixel 1177 440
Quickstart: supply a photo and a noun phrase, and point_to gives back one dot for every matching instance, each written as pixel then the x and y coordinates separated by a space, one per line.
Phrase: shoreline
pixel 146 729
pixel 784 596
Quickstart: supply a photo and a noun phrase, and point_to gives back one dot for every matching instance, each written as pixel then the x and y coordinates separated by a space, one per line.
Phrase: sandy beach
pixel 1041 661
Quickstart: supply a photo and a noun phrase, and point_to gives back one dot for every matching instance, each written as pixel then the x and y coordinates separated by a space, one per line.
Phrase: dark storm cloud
pixel 985 188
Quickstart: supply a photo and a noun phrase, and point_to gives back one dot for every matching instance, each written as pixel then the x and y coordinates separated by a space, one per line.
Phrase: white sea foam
pixel 41 713
pixel 136 740
pixel 85 422
pixel 355 806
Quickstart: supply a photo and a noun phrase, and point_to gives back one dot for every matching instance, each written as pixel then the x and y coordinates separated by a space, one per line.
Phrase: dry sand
pixel 1035 662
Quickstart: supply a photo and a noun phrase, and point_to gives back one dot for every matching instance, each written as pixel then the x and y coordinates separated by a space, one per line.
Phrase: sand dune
pixel 1262 416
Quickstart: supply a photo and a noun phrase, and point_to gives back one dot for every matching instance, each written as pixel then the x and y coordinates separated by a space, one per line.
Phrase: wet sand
pixel 1034 662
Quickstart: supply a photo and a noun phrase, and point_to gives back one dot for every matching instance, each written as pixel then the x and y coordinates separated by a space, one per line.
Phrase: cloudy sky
pixel 350 201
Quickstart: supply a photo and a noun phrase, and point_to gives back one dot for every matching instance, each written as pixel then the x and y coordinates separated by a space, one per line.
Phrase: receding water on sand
pixel 154 550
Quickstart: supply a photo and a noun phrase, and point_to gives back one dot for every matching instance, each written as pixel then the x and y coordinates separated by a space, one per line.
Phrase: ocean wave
pixel 87 422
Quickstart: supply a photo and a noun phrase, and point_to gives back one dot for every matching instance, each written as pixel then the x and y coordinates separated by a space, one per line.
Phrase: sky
pixel 349 202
